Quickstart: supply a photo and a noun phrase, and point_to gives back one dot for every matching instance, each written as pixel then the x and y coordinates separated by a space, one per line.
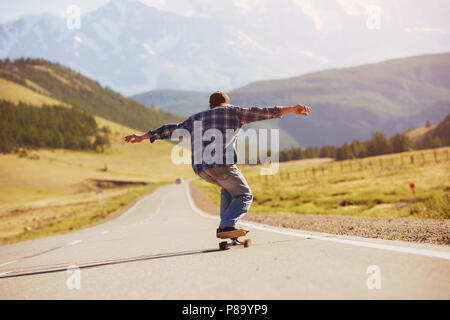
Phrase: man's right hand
pixel 133 138
pixel 302 110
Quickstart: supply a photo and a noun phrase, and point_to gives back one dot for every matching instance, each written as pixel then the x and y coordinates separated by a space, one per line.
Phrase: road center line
pixel 123 215
pixel 330 237
pixel 73 243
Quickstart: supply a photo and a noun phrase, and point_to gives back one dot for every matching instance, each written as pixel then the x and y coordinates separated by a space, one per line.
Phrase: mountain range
pixel 134 46
pixel 348 103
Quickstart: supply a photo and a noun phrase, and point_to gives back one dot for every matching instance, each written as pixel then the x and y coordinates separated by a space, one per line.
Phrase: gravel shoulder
pixel 435 231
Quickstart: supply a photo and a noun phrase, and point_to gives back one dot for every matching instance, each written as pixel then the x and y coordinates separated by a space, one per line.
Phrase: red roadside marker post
pixel 413 190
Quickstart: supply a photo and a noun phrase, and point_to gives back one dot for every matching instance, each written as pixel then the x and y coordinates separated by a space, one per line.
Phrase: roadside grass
pixel 366 191
pixel 65 214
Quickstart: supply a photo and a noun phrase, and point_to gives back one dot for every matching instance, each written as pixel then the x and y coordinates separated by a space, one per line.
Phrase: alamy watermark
pixel 73 282
pixel 73 20
pixel 373 21
pixel 373 282
pixel 211 147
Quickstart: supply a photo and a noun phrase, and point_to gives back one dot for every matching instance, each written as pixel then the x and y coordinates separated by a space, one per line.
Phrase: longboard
pixel 234 236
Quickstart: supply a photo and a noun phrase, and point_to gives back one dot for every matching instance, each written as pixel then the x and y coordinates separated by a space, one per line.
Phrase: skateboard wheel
pixel 223 245
pixel 247 243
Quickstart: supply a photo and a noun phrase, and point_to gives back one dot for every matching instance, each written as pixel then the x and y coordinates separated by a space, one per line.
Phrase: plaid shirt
pixel 225 122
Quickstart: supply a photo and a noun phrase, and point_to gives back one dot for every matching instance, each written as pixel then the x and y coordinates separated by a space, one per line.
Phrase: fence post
pixel 412 158
pixel 435 156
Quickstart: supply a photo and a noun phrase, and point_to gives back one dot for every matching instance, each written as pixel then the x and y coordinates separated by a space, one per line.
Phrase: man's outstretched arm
pixel 256 114
pixel 163 132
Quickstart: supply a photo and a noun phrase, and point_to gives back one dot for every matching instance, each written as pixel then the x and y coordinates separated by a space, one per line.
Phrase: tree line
pixel 26 126
pixel 379 144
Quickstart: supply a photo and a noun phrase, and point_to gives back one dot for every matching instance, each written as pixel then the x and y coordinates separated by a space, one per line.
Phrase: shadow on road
pixel 65 267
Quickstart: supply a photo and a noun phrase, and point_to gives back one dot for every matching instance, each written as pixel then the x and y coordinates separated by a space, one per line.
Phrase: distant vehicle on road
pixel 179 181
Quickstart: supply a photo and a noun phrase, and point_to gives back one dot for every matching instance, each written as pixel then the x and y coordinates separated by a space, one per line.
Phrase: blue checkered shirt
pixel 226 120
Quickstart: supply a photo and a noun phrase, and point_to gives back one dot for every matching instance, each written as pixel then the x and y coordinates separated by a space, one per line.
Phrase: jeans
pixel 235 196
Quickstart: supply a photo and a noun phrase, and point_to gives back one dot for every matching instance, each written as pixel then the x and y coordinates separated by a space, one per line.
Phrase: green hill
pixel 433 136
pixel 60 117
pixel 60 83
pixel 442 131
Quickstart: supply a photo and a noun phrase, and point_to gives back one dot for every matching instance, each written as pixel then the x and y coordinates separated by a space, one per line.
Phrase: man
pixel 215 161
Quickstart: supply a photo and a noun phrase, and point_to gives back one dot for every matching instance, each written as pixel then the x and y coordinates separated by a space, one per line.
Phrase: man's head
pixel 218 99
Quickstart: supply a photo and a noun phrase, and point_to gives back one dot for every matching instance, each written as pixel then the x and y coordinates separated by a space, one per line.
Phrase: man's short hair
pixel 218 98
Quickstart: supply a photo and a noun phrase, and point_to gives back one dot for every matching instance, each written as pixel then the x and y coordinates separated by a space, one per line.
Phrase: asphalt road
pixel 165 248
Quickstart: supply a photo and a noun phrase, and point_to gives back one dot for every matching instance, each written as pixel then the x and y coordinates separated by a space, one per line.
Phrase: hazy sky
pixel 436 11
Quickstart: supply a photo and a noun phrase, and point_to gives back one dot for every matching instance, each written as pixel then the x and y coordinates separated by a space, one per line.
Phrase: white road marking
pixel 136 205
pixel 104 232
pixel 3 273
pixel 160 205
pixel 157 211
pixel 74 242
pixel 330 237
pixel 6 263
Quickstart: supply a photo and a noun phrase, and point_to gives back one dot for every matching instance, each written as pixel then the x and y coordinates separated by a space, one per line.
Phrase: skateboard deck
pixel 234 236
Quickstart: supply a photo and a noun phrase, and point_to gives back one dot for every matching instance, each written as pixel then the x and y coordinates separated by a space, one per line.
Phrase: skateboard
pixel 234 236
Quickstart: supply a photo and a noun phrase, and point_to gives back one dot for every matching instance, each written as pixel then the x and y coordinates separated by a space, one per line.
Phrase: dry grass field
pixel 370 187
